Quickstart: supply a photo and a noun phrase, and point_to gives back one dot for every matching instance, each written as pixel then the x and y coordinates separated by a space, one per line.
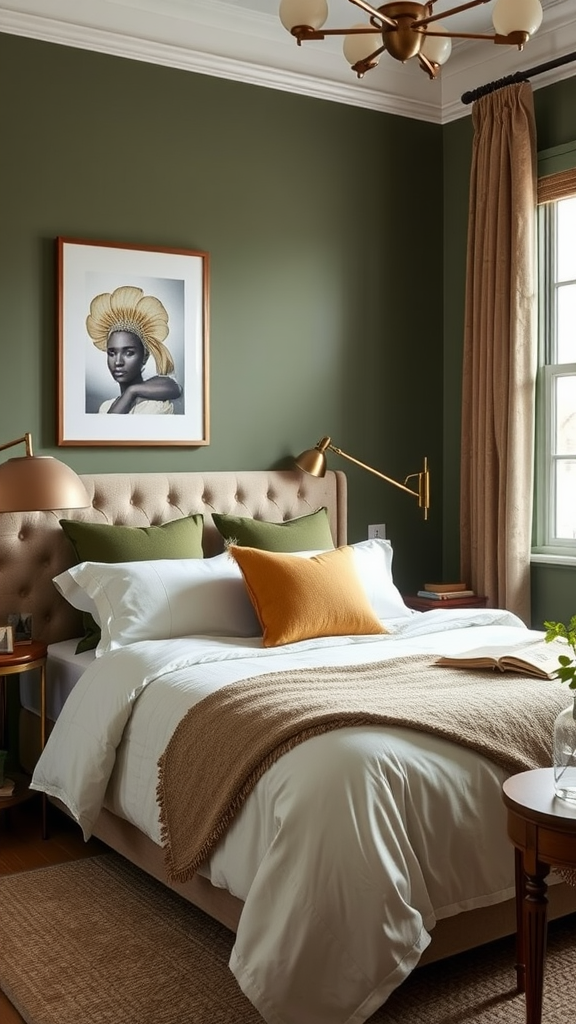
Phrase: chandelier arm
pixel 427 65
pixel 513 39
pixel 367 63
pixel 375 13
pixel 304 32
pixel 445 14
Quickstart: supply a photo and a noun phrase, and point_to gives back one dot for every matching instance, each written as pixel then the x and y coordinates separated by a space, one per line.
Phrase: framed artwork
pixel 6 640
pixel 132 345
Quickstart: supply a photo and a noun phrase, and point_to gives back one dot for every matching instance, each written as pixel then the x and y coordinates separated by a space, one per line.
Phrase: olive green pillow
pixel 101 542
pixel 307 533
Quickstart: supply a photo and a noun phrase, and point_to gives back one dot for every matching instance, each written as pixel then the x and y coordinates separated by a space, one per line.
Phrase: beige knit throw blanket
pixel 226 742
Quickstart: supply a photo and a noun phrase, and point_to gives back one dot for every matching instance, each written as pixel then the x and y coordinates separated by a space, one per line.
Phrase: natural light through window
pixel 555 505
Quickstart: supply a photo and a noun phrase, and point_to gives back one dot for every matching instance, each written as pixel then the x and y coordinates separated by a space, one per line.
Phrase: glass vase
pixel 565 753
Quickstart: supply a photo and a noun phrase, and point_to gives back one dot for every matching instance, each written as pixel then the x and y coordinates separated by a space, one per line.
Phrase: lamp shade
pixel 303 12
pixel 360 46
pixel 39 483
pixel 437 48
pixel 312 461
pixel 517 16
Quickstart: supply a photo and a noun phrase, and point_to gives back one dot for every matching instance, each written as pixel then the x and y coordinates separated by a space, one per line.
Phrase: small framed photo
pixel 21 623
pixel 6 640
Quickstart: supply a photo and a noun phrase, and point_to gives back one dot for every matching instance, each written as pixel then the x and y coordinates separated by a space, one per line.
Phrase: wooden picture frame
pixel 132 345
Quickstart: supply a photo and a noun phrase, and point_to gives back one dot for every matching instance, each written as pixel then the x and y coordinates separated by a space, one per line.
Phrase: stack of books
pixel 454 595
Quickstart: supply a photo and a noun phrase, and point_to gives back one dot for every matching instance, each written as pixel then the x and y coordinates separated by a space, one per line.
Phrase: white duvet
pixel 351 846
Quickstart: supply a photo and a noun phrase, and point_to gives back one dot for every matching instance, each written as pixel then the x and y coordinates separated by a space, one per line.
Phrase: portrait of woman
pixel 130 327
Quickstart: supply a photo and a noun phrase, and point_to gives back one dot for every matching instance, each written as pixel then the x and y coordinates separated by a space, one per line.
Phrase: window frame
pixel 557 181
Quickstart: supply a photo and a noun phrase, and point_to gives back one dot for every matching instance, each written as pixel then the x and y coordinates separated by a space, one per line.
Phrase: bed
pixel 330 919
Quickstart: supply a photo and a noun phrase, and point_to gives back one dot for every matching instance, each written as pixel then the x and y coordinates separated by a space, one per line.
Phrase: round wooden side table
pixel 24 658
pixel 542 827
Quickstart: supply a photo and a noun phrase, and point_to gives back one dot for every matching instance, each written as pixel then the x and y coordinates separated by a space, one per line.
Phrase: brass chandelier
pixel 404 29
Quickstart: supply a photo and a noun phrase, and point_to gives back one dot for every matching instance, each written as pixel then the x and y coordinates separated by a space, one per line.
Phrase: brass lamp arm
pixel 313 461
pixel 376 472
pixel 27 439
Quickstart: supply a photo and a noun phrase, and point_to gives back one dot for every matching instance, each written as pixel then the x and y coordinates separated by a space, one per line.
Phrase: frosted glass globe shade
pixel 437 48
pixel 358 47
pixel 303 12
pixel 517 16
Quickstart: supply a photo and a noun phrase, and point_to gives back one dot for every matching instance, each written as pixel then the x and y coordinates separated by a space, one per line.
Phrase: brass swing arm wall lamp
pixel 313 461
pixel 38 483
pixel 403 27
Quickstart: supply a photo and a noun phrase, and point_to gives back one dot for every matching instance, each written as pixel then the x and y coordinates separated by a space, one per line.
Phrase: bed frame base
pixel 449 937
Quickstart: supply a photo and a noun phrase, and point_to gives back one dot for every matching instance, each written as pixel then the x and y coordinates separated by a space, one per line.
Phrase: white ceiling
pixel 243 40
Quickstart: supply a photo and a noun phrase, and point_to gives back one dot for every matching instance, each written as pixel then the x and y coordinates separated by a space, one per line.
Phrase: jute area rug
pixel 96 941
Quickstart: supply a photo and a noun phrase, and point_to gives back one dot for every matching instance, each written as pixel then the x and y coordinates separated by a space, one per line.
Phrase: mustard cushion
pixel 301 598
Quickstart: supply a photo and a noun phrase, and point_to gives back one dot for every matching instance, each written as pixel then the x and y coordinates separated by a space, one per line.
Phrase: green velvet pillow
pixel 101 542
pixel 307 533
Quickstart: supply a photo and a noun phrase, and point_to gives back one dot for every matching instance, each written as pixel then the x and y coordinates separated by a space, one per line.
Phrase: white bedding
pixel 63 670
pixel 350 847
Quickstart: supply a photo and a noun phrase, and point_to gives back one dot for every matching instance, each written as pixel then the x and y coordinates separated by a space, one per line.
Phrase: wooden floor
pixel 23 849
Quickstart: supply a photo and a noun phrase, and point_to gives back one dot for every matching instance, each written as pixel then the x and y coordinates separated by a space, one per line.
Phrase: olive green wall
pixel 326 299
pixel 553 588
pixel 335 307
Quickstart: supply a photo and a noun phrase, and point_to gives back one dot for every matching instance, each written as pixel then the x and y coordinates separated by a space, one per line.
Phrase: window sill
pixel 540 558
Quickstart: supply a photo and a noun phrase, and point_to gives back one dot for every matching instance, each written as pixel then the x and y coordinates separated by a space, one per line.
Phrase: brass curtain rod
pixel 516 78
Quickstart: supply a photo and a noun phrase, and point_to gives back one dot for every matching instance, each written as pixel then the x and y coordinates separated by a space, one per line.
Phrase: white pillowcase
pixel 374 566
pixel 170 597
pixel 75 593
pixel 161 599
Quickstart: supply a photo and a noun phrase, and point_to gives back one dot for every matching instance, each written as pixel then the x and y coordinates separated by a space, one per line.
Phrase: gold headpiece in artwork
pixel 128 309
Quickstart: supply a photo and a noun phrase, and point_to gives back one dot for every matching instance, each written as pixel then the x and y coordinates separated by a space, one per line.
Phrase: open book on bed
pixel 537 658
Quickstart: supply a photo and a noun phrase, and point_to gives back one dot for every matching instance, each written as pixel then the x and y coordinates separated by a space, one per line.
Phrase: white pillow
pixel 75 594
pixel 161 599
pixel 374 566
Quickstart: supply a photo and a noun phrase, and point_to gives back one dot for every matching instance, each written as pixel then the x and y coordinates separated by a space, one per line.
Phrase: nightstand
pixel 542 828
pixel 25 658
pixel 424 604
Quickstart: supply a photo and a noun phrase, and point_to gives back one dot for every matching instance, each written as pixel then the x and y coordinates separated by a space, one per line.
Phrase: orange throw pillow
pixel 299 598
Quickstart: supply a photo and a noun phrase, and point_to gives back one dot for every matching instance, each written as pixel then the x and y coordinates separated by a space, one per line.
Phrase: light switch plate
pixel 377 530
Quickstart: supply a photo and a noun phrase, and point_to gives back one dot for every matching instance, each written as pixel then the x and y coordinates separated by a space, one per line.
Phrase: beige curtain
pixel 500 361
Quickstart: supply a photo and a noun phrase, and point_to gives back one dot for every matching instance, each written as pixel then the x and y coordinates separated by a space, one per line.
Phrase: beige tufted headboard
pixel 34 549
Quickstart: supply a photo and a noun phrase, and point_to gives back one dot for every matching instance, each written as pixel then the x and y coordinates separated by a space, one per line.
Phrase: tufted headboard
pixel 34 549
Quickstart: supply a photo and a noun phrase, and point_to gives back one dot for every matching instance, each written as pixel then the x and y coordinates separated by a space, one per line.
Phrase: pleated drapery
pixel 500 355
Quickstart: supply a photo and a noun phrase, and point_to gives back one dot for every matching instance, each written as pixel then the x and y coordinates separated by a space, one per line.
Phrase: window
pixel 555 492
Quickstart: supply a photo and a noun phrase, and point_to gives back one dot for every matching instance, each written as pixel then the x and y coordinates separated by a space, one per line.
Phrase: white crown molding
pixel 231 41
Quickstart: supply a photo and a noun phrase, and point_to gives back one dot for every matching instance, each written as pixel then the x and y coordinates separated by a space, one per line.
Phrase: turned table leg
pixel 534 918
pixel 520 881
